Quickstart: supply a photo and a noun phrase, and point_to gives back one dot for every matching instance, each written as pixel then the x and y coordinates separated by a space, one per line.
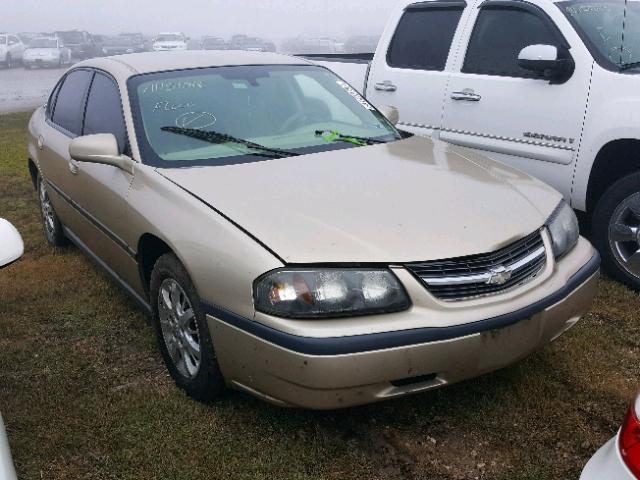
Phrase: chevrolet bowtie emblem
pixel 499 276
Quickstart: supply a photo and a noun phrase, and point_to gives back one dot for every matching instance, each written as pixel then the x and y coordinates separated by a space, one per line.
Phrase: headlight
pixel 129 50
pixel 564 229
pixel 329 293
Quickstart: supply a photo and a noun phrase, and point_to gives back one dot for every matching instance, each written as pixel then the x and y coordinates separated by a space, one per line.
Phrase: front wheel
pixel 616 230
pixel 182 331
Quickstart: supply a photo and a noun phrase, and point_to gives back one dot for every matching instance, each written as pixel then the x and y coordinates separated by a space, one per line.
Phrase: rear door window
pixel 424 35
pixel 104 110
pixel 69 107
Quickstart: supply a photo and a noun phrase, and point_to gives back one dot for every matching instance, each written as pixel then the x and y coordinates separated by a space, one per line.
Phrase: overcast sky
pixel 277 19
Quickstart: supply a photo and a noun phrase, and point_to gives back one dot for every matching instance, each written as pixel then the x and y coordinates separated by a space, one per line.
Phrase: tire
pixel 9 61
pixel 51 225
pixel 616 230
pixel 194 370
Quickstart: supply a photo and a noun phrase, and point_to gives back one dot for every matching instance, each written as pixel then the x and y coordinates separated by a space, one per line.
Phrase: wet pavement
pixel 22 90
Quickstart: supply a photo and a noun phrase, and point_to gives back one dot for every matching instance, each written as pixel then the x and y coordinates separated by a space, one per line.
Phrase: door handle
pixel 73 166
pixel 466 96
pixel 386 86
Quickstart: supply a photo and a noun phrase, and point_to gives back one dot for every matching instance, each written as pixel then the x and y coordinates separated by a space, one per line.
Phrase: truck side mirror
pixel 11 245
pixel 548 61
pixel 391 113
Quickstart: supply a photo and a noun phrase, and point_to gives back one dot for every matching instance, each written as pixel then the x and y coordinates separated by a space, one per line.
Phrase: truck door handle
pixel 385 86
pixel 466 96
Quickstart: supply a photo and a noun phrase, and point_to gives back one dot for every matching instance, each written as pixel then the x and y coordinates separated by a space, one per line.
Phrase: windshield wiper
pixel 628 66
pixel 331 136
pixel 219 138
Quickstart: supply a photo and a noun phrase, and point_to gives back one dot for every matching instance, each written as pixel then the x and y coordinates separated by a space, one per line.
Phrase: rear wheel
pixel 182 331
pixel 50 223
pixel 616 230
pixel 9 61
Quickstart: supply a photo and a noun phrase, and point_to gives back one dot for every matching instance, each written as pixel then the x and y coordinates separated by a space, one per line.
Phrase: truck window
pixel 423 38
pixel 499 36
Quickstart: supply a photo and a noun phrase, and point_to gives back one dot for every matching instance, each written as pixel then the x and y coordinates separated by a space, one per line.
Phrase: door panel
pixel 516 117
pixel 412 76
pixel 101 191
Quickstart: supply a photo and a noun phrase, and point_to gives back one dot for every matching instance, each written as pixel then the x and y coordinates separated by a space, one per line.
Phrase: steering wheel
pixel 296 118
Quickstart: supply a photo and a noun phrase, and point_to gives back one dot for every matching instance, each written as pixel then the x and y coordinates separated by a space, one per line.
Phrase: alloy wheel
pixel 624 234
pixel 48 216
pixel 179 328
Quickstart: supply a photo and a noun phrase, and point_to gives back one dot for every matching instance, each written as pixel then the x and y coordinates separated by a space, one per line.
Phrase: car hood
pixel 411 200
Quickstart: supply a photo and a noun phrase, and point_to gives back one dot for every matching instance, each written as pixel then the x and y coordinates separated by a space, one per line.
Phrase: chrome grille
pixel 482 275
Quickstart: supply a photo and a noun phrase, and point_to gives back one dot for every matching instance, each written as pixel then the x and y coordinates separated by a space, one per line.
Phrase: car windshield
pixel 3 39
pixel 192 117
pixel 611 29
pixel 213 41
pixel 44 43
pixel 71 37
pixel 169 38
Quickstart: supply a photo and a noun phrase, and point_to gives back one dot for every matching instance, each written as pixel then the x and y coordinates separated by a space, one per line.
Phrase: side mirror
pixel 391 113
pixel 11 245
pixel 548 61
pixel 101 149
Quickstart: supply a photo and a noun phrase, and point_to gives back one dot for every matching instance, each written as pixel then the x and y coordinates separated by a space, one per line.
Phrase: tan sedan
pixel 288 241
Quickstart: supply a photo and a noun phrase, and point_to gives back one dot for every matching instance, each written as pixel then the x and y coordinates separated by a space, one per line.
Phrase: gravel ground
pixel 22 89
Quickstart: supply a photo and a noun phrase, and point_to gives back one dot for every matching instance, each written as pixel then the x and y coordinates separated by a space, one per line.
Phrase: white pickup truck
pixel 552 88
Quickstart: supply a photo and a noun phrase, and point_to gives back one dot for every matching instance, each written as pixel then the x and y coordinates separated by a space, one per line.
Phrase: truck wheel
pixel 616 230
pixel 182 331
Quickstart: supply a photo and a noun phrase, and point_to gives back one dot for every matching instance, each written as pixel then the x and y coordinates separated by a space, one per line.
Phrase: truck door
pixel 515 115
pixel 409 68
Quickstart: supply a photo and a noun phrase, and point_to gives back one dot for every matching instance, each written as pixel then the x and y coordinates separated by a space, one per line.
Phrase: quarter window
pixel 104 110
pixel 69 105
pixel 499 36
pixel 423 38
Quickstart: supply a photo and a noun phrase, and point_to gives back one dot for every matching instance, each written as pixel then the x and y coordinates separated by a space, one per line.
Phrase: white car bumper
pixel 607 464
pixel 7 472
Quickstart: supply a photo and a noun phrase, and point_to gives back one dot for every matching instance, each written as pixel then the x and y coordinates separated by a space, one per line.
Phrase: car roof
pixel 125 66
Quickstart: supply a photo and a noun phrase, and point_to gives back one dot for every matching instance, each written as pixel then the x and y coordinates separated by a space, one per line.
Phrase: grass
pixel 84 393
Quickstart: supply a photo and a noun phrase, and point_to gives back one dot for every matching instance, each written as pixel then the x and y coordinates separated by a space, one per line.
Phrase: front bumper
pixel 607 464
pixel 336 372
pixel 41 62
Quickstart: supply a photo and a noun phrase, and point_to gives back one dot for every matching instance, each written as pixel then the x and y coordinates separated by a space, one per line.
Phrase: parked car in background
pixel 27 37
pixel 138 41
pixel 118 46
pixel 361 44
pixel 213 43
pixel 11 249
pixel 312 45
pixel 169 42
pixel 46 52
pixel 81 43
pixel 11 50
pixel 569 73
pixel 251 44
pixel 619 459
pixel 205 184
